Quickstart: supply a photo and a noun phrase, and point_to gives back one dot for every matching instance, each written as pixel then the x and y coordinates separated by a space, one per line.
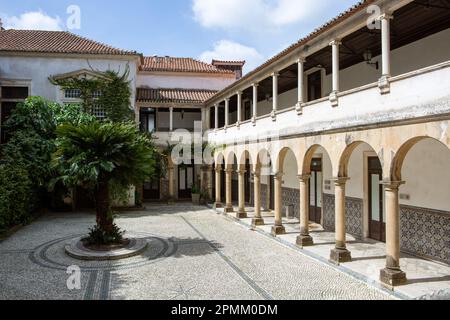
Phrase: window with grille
pixel 72 93
pixel 98 112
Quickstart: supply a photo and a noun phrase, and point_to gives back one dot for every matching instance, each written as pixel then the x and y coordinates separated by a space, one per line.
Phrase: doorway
pixel 151 190
pixel 185 181
pixel 377 220
pixel 315 191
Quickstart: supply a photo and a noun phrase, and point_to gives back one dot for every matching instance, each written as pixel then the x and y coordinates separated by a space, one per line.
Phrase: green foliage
pixel 115 91
pixel 15 193
pixel 98 236
pixel 97 151
pixel 26 158
pixel 195 189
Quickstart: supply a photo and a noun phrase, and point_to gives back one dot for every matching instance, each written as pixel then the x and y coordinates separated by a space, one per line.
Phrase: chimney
pixel 1 25
pixel 235 66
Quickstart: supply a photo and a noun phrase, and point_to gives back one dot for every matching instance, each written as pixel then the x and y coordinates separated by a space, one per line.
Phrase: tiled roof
pixel 171 64
pixel 341 17
pixel 238 62
pixel 37 41
pixel 174 95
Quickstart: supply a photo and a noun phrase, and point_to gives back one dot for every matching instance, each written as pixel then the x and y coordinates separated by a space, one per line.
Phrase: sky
pixel 251 30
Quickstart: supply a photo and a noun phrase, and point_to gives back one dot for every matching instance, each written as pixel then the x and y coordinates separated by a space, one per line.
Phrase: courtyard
pixel 193 254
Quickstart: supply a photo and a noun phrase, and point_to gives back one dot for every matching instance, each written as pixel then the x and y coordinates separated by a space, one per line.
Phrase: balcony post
pixel 384 83
pixel 255 103
pixel 239 108
pixel 171 119
pixel 335 54
pixel 300 98
pixel 275 76
pixel 227 110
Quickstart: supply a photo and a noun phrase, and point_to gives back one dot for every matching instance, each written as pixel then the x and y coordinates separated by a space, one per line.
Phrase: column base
pixel 229 210
pixel 338 256
pixel 170 201
pixel 304 241
pixel 218 205
pixel 392 277
pixel 258 222
pixel 238 215
pixel 334 99
pixel 384 84
pixel 278 230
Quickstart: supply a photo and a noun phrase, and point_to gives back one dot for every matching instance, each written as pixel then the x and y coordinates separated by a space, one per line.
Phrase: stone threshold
pixel 356 275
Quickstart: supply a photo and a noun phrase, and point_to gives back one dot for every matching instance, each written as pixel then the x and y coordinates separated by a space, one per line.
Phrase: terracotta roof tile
pixel 174 95
pixel 54 42
pixel 171 64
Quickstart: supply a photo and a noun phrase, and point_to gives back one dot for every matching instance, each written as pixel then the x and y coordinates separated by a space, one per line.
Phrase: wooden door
pixel 315 191
pixel 377 220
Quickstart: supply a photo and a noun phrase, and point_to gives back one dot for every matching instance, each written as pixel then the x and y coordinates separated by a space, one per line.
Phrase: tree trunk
pixel 104 217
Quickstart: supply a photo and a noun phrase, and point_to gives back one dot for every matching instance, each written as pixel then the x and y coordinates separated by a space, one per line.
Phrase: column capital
pixel 218 168
pixel 304 177
pixel 385 16
pixel 336 42
pixel 279 175
pixel 229 171
pixel 275 74
pixel 241 172
pixel 226 100
pixel 392 185
pixel 301 60
pixel 255 84
pixel 340 181
pixel 239 92
pixel 216 105
pixel 256 173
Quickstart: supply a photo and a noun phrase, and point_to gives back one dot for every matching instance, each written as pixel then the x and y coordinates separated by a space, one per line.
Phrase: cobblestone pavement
pixel 193 254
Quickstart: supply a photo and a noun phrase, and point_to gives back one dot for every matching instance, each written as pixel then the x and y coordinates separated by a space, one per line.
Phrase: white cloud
pixel 229 50
pixel 35 20
pixel 253 14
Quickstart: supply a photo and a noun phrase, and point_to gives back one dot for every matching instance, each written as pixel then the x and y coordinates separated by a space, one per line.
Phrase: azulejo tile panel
pixel 425 232
pixel 354 218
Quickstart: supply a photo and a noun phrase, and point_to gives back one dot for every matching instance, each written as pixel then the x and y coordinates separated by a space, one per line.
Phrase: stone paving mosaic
pixel 193 254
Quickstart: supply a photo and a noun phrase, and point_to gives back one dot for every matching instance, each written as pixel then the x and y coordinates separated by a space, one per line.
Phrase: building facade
pixel 349 128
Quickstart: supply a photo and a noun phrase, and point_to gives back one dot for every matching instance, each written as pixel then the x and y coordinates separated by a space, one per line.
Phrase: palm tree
pixel 104 157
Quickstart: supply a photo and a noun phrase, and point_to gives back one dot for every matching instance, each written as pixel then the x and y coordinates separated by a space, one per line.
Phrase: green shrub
pixel 15 195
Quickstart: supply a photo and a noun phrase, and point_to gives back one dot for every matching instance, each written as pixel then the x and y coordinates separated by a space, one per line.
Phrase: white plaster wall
pixel 426 171
pixel 290 170
pixel 355 186
pixel 209 82
pixel 38 69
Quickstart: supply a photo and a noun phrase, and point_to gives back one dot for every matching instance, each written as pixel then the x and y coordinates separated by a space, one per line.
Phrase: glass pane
pixel 319 189
pixel 376 213
pixel 312 194
pixel 151 122
pixel 182 179
pixel 190 177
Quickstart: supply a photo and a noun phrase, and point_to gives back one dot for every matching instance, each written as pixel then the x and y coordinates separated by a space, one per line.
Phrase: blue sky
pixel 253 30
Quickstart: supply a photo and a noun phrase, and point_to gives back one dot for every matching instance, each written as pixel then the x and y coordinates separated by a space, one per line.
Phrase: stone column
pixel 218 203
pixel 229 199
pixel 227 110
pixel 340 254
pixel 383 83
pixel 300 85
pixel 257 220
pixel 275 76
pixel 255 103
pixel 241 212
pixel 392 275
pixel 216 116
pixel 206 181
pixel 239 108
pixel 335 55
pixel 171 119
pixel 304 239
pixel 278 228
pixel 170 171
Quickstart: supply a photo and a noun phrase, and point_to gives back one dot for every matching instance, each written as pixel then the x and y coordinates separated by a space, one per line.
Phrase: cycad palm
pixel 99 155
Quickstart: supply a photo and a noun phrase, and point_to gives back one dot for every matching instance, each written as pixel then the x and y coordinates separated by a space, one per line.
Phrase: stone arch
pixel 219 160
pixel 264 159
pixel 231 159
pixel 345 156
pixel 242 159
pixel 281 157
pixel 309 155
pixel 402 152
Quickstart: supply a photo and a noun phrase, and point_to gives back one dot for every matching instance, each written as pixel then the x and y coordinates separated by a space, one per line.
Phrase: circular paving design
pixel 52 254
pixel 76 249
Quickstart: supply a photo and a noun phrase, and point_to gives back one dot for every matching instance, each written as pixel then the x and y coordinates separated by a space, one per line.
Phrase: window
pixel 315 86
pixel 73 96
pixel 10 97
